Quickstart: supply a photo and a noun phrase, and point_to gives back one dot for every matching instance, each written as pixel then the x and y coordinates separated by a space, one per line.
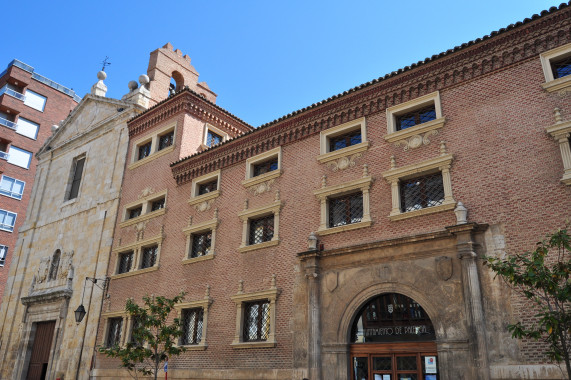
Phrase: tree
pixel 542 276
pixel 153 339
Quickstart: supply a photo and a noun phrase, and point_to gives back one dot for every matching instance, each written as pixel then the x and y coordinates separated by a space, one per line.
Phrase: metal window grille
pixel 114 332
pixel 345 140
pixel 158 204
pixel 416 117
pixel 135 212
pixel 347 209
pixel 391 308
pixel 213 139
pixel 191 326
pixel 149 256
pixel 201 244
pixel 125 262
pixel 256 321
pixel 207 187
pixel 261 229
pixel 421 192
pixel 3 254
pixel 266 166
pixel 166 140
pixel 76 181
pixel 135 338
pixel 145 150
pixel 561 68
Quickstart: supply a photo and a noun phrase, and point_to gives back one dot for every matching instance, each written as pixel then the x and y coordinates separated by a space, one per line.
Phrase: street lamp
pixel 80 311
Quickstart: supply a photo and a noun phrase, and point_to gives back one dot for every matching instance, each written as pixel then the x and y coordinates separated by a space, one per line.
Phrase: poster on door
pixel 430 364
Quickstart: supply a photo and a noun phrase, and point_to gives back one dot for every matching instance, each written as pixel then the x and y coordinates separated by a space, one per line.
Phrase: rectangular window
pixel 144 150
pixel 415 117
pixel 19 157
pixel 421 192
pixel 561 67
pixel 266 166
pixel 11 187
pixel 114 332
pixel 35 100
pixel 134 212
pixel 125 262
pixel 27 128
pixel 345 140
pixel 157 204
pixel 191 324
pixel 76 178
pixel 208 187
pixel 201 244
pixel 346 209
pixel 256 321
pixel 149 257
pixel 261 229
pixel 3 254
pixel 166 140
pixel 7 220
pixel 136 324
pixel 213 139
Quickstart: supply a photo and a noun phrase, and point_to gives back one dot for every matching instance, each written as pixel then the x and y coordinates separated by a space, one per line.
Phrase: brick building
pixel 343 241
pixel 30 104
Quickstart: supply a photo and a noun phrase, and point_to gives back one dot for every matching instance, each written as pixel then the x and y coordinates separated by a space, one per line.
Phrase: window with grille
pixel 3 254
pixel 261 229
pixel 421 192
pixel 207 187
pixel 144 150
pixel 114 332
pixel 76 178
pixel 135 212
pixel 149 256
pixel 135 338
pixel 157 204
pixel 416 117
pixel 345 140
pixel 561 68
pixel 213 139
pixel 191 324
pixel 201 244
pixel 265 167
pixel 346 209
pixel 256 321
pixel 125 262
pixel 166 140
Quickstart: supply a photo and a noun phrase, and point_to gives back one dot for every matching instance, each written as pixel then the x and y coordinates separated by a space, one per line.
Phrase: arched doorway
pixel 392 338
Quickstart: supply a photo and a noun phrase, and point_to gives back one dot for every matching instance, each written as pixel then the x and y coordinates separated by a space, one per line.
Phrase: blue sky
pixel 264 59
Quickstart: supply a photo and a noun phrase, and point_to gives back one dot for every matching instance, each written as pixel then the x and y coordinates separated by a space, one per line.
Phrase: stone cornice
pixel 191 103
pixel 510 46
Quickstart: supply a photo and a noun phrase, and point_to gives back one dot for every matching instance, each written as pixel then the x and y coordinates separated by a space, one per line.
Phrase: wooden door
pixel 40 357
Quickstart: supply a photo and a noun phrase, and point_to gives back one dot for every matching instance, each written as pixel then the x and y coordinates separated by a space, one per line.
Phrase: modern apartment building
pixel 30 104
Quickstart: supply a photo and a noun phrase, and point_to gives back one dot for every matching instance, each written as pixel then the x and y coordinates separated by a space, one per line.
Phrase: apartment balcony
pixel 12 92
pixel 17 75
pixel 11 101
pixel 8 124
pixel 3 155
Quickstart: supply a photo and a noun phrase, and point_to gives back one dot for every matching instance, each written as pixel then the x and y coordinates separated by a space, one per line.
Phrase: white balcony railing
pixel 8 123
pixel 15 94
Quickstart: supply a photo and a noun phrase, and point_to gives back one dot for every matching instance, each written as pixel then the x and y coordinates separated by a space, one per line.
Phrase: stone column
pixel 313 316
pixel 473 297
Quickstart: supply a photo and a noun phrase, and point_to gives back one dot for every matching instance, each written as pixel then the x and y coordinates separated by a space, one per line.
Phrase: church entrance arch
pixel 393 338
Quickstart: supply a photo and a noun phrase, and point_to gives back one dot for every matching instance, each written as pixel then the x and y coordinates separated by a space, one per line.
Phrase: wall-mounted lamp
pixel 312 242
pixel 80 311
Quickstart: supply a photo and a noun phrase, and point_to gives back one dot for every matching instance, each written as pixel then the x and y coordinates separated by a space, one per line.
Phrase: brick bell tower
pixel 165 64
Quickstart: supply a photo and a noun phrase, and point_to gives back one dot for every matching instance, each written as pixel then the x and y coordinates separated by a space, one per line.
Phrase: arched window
pixel 176 82
pixel 54 266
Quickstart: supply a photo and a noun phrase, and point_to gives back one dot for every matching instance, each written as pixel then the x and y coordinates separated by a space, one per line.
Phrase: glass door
pixel 404 366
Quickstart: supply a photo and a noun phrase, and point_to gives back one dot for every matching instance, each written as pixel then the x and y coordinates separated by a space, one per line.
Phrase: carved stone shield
pixel 331 281
pixel 444 267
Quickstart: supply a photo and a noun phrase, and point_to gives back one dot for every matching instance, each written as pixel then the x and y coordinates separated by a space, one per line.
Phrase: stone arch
pixel 358 300
pixel 179 80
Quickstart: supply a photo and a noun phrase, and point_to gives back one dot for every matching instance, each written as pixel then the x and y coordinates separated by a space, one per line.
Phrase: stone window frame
pixel 106 320
pixel 209 225
pixel 241 299
pixel 413 134
pixel 204 304
pixel 250 162
pixel 561 132
pixel 326 192
pixel 137 248
pixel 208 197
pixel 154 139
pixel 248 214
pixel 325 155
pixel 395 175
pixel 67 200
pixel 146 213
pixel 209 127
pixel 551 84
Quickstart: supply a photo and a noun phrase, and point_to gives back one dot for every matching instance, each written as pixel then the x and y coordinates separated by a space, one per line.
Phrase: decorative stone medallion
pixel 416 141
pixel 203 206
pixel 331 281
pixel 262 187
pixel 343 163
pixel 444 267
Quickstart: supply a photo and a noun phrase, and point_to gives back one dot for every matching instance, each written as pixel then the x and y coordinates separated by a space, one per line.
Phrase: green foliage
pixel 542 276
pixel 153 340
